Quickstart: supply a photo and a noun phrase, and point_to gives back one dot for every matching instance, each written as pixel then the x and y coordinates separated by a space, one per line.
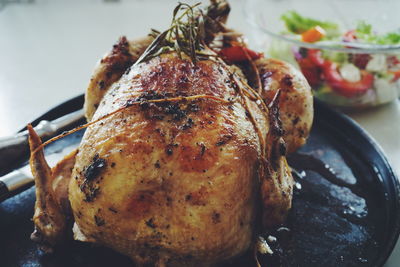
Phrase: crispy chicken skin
pixel 295 99
pixel 182 162
pixel 178 180
pixel 110 69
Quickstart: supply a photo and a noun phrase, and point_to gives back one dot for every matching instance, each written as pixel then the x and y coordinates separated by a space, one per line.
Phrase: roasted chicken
pixel 184 157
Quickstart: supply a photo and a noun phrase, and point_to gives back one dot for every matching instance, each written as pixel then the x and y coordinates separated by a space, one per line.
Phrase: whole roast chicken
pixel 183 161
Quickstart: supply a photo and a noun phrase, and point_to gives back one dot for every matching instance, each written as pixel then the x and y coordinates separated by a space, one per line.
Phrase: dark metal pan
pixel 345 209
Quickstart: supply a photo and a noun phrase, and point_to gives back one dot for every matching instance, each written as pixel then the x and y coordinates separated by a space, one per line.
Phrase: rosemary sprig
pixel 185 35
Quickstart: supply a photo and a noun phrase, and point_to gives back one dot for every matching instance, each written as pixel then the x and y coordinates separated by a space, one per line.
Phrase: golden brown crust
pixel 175 181
pixel 172 181
pixel 295 100
pixel 110 69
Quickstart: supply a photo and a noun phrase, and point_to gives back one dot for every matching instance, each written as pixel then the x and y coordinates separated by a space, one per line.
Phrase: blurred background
pixel 50 47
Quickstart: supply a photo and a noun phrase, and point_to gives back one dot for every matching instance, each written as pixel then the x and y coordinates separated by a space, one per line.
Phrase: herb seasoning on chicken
pixel 188 160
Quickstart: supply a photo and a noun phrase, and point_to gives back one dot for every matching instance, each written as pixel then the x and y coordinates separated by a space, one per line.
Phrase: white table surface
pixel 49 48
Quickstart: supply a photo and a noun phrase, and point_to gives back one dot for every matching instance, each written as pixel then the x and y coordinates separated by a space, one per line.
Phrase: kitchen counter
pixel 49 49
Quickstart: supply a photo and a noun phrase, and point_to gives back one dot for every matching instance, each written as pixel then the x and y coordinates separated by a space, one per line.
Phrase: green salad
pixel 341 78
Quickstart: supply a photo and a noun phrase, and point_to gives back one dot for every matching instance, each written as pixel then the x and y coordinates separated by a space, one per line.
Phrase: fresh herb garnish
pixel 185 35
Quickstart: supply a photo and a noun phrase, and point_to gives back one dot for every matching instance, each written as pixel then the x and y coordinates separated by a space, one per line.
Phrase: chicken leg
pixel 52 217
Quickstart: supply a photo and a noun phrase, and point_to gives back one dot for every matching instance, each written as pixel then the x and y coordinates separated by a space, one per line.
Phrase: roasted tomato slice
pixel 238 53
pixel 344 87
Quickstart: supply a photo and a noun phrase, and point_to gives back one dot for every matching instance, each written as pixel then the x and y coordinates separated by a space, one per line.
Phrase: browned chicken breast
pixel 182 161
pixel 178 179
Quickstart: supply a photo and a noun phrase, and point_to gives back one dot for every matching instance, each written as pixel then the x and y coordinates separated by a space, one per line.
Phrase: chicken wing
pixel 110 69
pixel 295 99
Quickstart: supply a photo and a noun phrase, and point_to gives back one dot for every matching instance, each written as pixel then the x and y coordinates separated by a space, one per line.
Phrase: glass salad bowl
pixel 349 50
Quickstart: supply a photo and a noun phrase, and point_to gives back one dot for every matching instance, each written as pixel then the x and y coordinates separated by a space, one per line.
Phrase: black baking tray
pixel 345 208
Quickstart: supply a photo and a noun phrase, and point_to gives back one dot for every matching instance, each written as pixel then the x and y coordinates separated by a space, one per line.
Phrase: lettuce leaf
pixel 298 24
pixel 365 33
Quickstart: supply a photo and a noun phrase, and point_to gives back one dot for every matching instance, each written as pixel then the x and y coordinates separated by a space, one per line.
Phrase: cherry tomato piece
pixel 344 87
